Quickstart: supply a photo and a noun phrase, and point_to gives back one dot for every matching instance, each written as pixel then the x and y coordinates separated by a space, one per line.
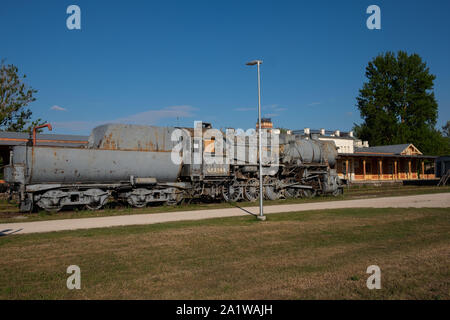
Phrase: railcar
pixel 135 165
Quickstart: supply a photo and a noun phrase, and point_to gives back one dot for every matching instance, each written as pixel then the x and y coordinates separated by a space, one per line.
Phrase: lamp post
pixel 261 211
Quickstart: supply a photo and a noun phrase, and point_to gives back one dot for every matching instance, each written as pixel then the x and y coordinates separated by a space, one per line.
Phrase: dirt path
pixel 437 200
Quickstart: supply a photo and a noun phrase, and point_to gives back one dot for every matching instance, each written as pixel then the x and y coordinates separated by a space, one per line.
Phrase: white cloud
pixel 314 104
pixel 58 108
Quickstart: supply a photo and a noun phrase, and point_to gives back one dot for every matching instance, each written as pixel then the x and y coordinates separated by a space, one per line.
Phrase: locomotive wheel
pixel 251 190
pixel 50 201
pixel 94 207
pixel 53 210
pixel 308 193
pixel 231 192
pixel 98 199
pixel 338 192
pixel 138 204
pixel 137 198
pixel 291 192
pixel 271 190
pixel 178 198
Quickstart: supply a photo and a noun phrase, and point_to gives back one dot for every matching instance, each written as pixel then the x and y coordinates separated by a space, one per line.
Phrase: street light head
pixel 252 63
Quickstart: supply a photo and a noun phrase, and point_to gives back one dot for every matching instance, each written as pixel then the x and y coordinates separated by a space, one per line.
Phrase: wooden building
pixel 391 162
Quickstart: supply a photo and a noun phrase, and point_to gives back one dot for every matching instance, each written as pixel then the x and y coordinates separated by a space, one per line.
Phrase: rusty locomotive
pixel 134 164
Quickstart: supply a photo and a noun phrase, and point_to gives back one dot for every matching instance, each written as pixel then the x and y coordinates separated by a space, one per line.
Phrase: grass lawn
pixel 9 211
pixel 305 255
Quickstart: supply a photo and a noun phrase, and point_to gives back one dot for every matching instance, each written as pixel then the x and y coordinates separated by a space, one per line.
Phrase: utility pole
pixel 261 215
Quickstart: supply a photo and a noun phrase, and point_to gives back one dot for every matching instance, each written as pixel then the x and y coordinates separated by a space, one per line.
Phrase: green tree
pixel 397 103
pixel 15 96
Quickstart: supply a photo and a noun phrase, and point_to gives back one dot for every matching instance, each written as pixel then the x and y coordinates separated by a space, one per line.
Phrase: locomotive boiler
pixel 134 164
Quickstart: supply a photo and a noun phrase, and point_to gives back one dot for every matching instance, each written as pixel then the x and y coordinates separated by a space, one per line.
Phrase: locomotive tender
pixel 134 164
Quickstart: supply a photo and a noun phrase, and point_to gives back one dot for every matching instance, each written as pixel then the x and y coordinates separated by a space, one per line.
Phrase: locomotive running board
pixel 50 186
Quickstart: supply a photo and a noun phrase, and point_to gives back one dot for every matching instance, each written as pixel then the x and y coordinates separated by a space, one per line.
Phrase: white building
pixel 345 141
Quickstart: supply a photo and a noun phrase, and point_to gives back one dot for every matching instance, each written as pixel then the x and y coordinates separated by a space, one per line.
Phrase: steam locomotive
pixel 135 165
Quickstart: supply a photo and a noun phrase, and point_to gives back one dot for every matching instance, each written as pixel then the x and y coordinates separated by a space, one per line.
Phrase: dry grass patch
pixel 305 255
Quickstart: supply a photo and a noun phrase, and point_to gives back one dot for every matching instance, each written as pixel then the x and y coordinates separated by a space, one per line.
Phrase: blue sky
pixel 173 62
